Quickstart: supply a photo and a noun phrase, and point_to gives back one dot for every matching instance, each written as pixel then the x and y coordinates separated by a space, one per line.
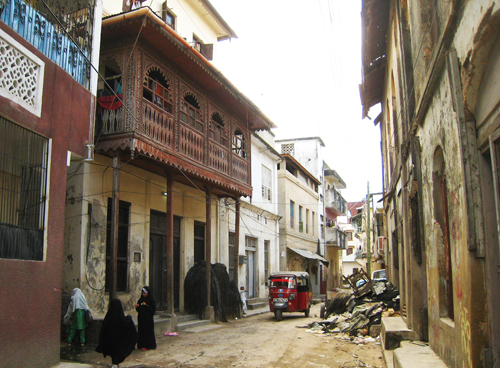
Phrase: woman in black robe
pixel 146 308
pixel 118 334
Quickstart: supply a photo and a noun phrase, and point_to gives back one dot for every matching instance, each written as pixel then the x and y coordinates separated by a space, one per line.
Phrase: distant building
pixel 309 152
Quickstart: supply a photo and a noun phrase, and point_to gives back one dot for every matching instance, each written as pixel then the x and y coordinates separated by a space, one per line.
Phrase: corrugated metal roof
pixel 307 254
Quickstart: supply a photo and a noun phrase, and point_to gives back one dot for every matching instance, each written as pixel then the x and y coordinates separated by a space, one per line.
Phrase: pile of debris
pixel 355 312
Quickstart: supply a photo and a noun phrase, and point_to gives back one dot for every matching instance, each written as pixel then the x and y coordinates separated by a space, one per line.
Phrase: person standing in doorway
pixel 146 308
pixel 118 336
pixel 75 316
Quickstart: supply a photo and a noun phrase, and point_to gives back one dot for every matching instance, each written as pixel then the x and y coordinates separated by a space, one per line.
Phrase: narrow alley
pixel 254 341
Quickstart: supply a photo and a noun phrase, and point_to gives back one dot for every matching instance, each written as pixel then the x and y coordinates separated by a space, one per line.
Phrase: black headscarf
pixel 118 334
pixel 145 317
pixel 148 299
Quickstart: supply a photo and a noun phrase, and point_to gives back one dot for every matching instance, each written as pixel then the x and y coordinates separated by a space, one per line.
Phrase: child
pixel 243 299
pixel 75 316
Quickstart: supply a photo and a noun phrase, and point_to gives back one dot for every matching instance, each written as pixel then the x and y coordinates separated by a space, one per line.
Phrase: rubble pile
pixel 354 314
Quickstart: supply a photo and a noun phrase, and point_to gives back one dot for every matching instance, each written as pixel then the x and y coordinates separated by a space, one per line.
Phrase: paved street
pixel 254 341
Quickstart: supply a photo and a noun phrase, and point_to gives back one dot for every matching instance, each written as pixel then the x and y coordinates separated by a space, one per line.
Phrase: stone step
pixel 394 331
pixel 192 323
pixel 256 303
pixel 416 354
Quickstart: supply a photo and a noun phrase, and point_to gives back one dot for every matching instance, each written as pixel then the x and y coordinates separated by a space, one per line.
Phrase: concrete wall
pixel 84 265
pixel 31 301
pixel 464 333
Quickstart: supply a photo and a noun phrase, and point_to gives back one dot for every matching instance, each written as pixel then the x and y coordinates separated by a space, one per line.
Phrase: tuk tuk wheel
pixel 278 313
pixel 308 310
pixel 322 311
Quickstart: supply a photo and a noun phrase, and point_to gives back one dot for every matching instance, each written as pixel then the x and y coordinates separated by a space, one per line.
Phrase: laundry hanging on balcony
pixel 109 100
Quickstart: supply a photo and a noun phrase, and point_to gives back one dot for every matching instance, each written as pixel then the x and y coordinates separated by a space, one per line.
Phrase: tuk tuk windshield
pixel 284 282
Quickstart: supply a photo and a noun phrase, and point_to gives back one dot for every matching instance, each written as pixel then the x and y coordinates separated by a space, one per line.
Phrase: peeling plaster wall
pixel 85 244
pixel 454 340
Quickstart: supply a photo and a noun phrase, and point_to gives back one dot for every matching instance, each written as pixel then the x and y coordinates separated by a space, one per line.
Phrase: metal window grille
pixel 23 191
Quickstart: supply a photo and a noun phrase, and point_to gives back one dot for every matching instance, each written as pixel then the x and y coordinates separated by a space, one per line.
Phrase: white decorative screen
pixel 21 75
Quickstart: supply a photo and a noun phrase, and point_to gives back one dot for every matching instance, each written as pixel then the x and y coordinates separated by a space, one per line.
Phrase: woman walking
pixel 118 335
pixel 146 308
pixel 75 316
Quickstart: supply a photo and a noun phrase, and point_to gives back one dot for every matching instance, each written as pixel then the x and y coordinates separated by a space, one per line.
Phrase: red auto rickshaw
pixel 289 291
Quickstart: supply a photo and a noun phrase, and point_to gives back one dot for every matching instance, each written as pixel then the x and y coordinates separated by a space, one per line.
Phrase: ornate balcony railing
pixel 157 127
pixel 62 32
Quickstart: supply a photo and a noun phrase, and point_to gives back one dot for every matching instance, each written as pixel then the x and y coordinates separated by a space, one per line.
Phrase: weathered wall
pixel 144 191
pixel 456 340
pixel 31 301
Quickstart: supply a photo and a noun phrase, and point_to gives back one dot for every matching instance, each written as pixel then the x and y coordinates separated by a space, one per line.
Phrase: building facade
pixel 173 145
pixel 433 67
pixel 309 152
pixel 47 95
pixel 258 254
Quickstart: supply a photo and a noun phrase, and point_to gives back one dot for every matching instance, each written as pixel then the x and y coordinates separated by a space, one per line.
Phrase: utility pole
pixel 368 235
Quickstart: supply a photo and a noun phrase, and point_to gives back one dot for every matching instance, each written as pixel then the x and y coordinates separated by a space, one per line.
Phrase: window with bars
pixel 123 232
pixel 217 129
pixel 157 90
pixel 199 242
pixel 24 159
pixel 239 144
pixel 231 250
pixel 288 148
pixel 190 112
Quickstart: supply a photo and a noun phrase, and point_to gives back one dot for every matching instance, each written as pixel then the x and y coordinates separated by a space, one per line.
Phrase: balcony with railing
pixel 165 108
pixel 180 139
pixel 61 30
pixel 335 202
pixel 334 237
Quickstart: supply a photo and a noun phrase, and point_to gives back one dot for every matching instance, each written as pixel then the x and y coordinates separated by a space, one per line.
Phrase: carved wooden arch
pixel 166 76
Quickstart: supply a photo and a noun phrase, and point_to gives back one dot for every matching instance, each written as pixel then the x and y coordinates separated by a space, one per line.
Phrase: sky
pixel 300 63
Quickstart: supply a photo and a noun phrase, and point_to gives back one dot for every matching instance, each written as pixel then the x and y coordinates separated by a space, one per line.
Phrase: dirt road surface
pixel 256 341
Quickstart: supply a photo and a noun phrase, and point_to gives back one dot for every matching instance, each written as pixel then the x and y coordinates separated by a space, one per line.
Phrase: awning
pixel 310 255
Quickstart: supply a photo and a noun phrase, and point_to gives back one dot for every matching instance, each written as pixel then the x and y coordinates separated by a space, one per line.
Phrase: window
pixel 23 192
pixel 217 130
pixel 313 222
pixel 122 261
pixel 197 43
pixel 307 221
pixel 250 243
pixel 239 145
pixel 168 16
pixel 156 89
pixel 349 251
pixel 301 224
pixel 199 242
pixel 231 249
pixel 292 210
pixel 288 148
pixel 267 180
pixel 190 112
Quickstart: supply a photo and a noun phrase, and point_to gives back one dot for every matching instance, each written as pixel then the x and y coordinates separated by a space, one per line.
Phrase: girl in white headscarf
pixel 75 316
